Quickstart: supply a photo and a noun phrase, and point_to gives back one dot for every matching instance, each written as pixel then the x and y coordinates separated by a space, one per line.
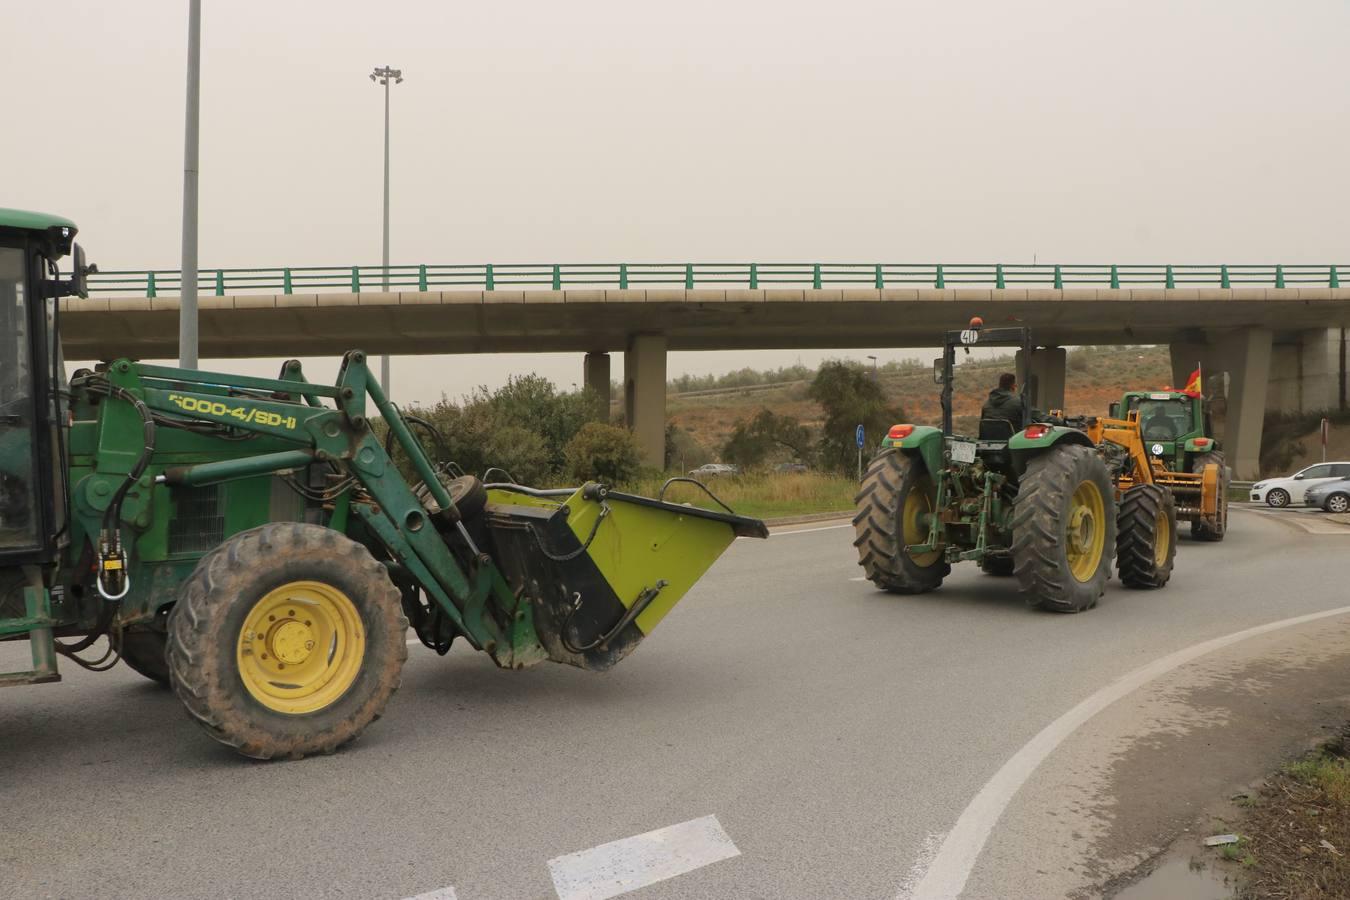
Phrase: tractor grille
pixel 199 524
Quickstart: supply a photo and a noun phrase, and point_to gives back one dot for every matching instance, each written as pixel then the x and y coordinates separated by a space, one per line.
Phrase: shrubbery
pixel 600 452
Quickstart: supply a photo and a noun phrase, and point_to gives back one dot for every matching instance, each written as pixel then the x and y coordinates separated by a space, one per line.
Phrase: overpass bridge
pixel 1278 333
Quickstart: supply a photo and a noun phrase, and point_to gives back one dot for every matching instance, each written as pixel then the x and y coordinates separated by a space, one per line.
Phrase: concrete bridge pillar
pixel 644 394
pixel 1239 360
pixel 1045 377
pixel 595 378
pixel 1308 372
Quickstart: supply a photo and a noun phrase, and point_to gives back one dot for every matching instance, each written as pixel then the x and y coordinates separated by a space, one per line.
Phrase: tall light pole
pixel 383 76
pixel 187 309
pixel 874 366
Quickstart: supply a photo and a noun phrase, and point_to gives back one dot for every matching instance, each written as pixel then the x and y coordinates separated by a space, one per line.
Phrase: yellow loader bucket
pixel 601 568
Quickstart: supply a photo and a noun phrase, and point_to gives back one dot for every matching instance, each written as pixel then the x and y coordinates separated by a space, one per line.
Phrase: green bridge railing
pixel 354 279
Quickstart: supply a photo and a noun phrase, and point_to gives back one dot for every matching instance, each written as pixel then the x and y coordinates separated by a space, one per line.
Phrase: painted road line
pixel 775 532
pixel 445 893
pixel 945 877
pixel 626 865
pixel 858 578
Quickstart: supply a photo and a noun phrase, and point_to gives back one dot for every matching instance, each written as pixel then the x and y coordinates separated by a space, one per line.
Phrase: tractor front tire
pixel 287 640
pixel 893 503
pixel 144 654
pixel 1200 529
pixel 1146 538
pixel 1064 529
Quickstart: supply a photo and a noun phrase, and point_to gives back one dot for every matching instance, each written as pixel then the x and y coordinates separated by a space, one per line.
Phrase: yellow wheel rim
pixel 914 524
pixel 1086 531
pixel 1163 539
pixel 301 647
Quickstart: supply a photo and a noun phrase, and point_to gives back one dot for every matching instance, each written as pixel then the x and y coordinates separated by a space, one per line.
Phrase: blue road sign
pixel 859 437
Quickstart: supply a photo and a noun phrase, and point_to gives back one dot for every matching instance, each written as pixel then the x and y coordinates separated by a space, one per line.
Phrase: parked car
pixel 1333 496
pixel 791 468
pixel 714 470
pixel 1280 492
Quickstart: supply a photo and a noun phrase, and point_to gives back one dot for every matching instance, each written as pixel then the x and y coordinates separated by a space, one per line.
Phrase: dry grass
pixel 1097 376
pixel 763 496
pixel 1297 835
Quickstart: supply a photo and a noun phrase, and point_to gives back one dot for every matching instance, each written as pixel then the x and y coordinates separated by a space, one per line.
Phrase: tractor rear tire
pixel 1146 539
pixel 1064 529
pixel 144 654
pixel 287 594
pixel 1200 529
pixel 896 493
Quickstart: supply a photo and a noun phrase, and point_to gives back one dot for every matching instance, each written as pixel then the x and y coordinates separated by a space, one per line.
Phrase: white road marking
pixel 858 578
pixel 809 530
pixel 945 877
pixel 626 865
pixel 445 893
pixel 927 853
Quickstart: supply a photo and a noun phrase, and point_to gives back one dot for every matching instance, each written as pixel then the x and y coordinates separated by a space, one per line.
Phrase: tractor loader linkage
pixel 251 542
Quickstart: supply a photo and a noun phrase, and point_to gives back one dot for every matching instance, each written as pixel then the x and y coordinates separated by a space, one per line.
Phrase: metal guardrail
pixel 332 279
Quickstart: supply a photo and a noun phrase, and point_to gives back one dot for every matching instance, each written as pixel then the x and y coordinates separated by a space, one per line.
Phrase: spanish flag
pixel 1192 388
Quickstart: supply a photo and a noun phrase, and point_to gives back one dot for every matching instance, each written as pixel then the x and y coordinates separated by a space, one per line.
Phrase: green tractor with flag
pixel 1177 429
pixel 251 542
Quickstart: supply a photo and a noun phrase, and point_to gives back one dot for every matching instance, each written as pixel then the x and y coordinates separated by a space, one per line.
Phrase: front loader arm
pixel 340 435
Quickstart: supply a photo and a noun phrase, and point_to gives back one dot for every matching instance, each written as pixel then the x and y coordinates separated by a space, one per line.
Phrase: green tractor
pixel 1177 429
pixel 251 542
pixel 1035 499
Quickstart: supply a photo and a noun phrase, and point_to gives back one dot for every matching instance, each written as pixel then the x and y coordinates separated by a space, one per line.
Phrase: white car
pixel 1280 492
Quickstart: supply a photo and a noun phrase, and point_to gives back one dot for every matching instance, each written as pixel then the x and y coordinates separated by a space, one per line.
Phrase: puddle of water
pixel 1181 879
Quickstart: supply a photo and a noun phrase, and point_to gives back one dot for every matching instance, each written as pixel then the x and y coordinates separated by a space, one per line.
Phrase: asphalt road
pixel 836 733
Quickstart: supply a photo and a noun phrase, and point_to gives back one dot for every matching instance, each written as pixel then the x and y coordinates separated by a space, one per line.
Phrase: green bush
pixel 600 452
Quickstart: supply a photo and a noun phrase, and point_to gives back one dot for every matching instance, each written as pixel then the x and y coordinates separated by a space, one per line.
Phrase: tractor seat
pixel 994 437
pixel 996 430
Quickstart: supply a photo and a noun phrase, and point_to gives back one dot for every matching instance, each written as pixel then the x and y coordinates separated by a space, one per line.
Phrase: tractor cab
pixel 31 380
pixel 1175 425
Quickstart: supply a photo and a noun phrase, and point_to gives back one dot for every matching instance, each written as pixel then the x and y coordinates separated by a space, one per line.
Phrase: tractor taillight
pixel 1202 442
pixel 1037 431
pixel 899 432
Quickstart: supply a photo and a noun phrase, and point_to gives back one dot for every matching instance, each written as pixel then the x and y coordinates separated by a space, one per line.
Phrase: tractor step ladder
pixel 37 622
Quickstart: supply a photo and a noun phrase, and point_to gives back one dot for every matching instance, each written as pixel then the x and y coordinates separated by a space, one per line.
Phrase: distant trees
pixel 850 396
pixel 754 441
pixel 522 428
pixel 741 378
pixel 600 452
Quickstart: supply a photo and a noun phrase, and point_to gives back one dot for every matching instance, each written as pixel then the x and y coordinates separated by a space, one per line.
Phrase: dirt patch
pixel 1296 832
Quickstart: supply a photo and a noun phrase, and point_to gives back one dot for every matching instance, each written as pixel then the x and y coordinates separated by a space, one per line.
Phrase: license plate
pixel 963 452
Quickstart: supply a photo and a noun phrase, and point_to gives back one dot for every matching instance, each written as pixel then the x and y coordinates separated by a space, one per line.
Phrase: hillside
pixel 1096 377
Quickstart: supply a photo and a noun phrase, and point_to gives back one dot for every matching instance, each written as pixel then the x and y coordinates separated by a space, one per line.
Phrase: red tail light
pixel 1037 431
pixel 899 432
pixel 1202 442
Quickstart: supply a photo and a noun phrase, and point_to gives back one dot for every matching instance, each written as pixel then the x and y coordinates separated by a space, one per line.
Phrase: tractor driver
pixel 1003 402
pixel 1159 426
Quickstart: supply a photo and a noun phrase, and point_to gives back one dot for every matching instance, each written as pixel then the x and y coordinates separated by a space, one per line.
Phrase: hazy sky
pixel 1075 131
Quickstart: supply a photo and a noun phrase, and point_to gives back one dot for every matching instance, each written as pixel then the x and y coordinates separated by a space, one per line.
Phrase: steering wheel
pixel 1155 429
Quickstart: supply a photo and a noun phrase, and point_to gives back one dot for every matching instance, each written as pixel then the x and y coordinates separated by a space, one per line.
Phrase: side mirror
pixel 79 279
pixel 939 372
pixel 1114 411
pixel 1299 477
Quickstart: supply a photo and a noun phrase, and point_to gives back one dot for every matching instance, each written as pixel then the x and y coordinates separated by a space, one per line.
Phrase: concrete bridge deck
pixel 1279 347
pixel 516 321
